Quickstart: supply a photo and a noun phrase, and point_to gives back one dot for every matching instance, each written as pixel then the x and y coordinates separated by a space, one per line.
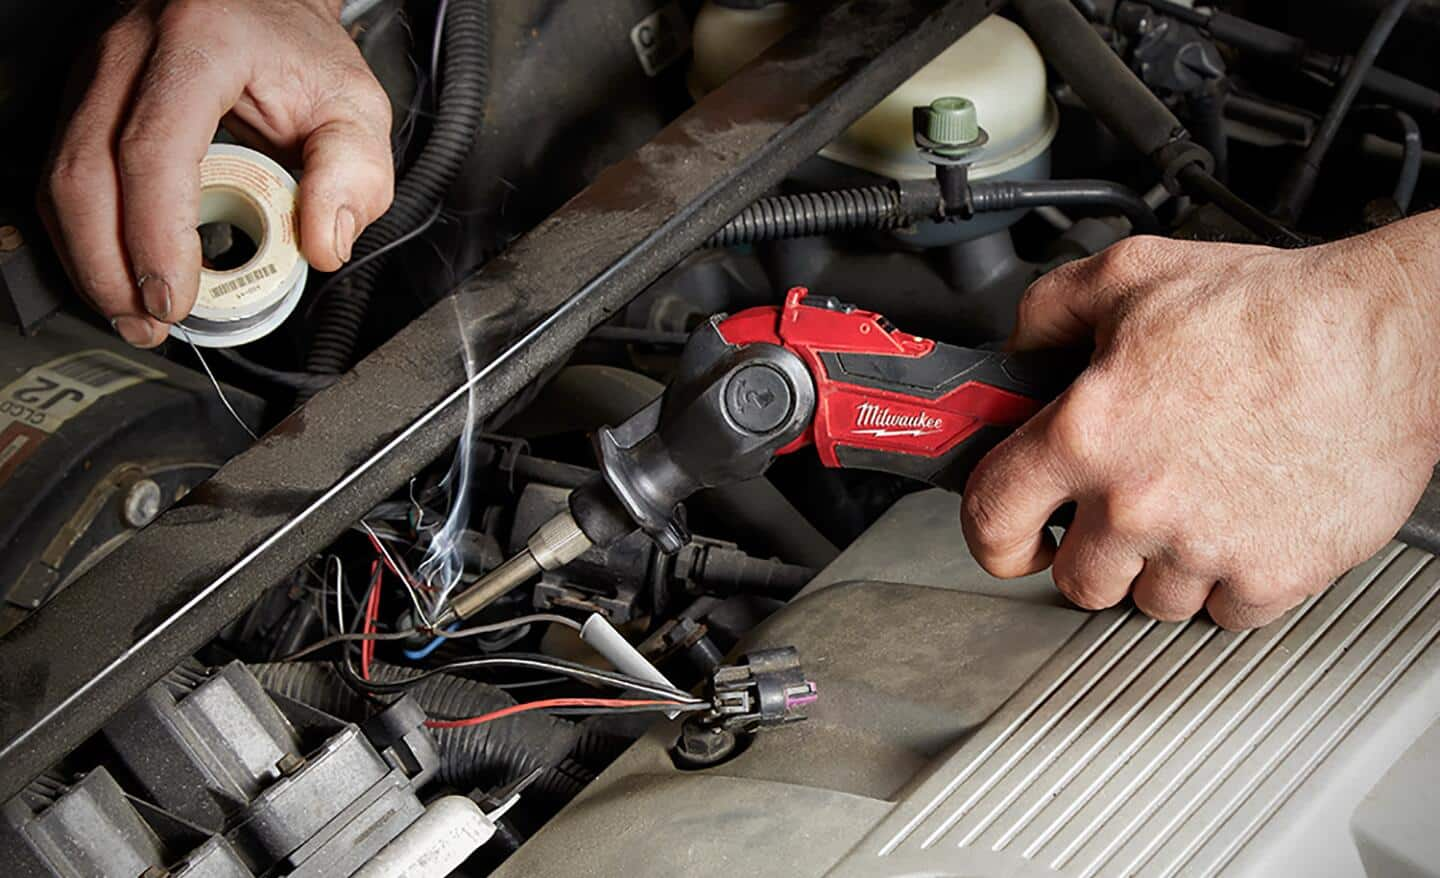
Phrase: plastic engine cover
pixel 971 727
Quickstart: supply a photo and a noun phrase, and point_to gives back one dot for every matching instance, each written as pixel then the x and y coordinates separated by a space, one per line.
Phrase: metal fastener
pixel 141 504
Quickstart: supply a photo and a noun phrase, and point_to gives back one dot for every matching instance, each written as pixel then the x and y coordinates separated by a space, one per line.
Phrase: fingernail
pixel 135 330
pixel 155 293
pixel 344 233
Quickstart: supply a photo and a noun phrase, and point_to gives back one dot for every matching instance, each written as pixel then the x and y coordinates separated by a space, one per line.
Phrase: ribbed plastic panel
pixel 1152 749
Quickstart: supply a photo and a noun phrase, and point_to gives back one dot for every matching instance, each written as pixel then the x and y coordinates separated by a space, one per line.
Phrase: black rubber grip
pixel 1038 375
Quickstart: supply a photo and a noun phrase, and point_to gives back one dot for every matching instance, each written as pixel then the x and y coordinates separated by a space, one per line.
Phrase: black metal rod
pixel 1300 182
pixel 159 598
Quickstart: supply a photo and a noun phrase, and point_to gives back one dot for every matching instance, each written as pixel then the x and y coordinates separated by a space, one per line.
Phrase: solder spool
pixel 252 193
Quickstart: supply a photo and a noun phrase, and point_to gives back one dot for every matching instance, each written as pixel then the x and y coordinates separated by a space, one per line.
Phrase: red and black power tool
pixel 770 380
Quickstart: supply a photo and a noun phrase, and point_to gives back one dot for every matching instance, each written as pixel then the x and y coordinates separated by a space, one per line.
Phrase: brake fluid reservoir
pixel 995 65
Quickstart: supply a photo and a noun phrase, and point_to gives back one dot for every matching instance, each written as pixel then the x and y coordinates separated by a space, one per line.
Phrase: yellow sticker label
pixel 47 396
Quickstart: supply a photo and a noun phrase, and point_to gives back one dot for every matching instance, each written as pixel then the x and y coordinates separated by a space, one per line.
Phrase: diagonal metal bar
pixel 65 670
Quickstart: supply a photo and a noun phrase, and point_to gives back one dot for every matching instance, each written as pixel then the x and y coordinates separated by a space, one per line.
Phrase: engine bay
pixel 601 515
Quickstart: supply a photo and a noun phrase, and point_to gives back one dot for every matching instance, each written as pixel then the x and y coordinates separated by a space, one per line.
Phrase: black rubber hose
pixel 1290 50
pixel 1207 116
pixel 1412 155
pixel 1002 195
pixel 1300 182
pixel 880 208
pixel 459 111
pixel 809 214
pixel 1099 77
pixel 1130 110
pixel 483 756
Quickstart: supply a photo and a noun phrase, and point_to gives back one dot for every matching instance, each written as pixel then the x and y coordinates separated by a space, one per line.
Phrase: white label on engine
pixel 51 394
pixel 661 37
pixel 33 406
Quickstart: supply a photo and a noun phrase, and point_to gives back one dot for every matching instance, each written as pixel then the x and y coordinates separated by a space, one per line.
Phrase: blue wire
pixel 423 652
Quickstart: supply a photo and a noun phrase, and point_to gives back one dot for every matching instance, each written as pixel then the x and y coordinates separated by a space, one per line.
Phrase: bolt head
pixel 700 746
pixel 141 504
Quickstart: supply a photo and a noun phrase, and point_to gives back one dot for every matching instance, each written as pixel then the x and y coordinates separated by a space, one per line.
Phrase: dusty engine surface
pixel 601 516
pixel 972 726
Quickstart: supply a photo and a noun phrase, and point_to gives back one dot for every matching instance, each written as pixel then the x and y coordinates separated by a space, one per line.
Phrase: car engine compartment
pixel 319 604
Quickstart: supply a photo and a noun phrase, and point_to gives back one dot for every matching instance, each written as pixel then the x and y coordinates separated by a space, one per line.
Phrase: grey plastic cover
pixel 967 734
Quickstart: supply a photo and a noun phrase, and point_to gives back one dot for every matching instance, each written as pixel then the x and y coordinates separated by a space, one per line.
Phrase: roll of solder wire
pixel 250 192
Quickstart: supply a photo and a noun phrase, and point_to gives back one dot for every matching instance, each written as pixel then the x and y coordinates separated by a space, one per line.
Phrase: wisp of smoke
pixel 443 564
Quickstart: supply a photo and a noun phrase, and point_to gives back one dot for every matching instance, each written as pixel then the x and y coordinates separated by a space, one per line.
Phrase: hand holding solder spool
pixel 124 190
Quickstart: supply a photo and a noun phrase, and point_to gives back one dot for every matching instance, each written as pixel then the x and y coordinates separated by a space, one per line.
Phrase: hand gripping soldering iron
pixel 768 381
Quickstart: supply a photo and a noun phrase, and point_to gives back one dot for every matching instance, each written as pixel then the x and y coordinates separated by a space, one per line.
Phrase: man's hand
pixel 1254 422
pixel 124 189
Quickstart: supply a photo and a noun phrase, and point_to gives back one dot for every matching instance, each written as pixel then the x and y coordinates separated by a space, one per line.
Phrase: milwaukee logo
pixel 879 421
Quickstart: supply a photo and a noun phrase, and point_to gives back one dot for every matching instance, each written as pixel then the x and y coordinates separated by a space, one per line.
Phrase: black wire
pixel 531 684
pixel 1295 191
pixel 529 661
pixel 335 639
pixel 1198 182
pixel 294 380
pixel 376 254
pixel 591 711
pixel 613 711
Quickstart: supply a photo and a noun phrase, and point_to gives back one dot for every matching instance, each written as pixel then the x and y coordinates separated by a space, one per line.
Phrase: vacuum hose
pixel 882 208
pixel 1300 182
pixel 810 214
pixel 458 114
pixel 1002 195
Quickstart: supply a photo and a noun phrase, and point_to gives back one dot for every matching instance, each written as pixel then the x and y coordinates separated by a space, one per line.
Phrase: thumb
pixel 348 183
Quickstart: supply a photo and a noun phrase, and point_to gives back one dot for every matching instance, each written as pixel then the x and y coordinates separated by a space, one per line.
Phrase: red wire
pixel 543 705
pixel 393 569
pixel 372 610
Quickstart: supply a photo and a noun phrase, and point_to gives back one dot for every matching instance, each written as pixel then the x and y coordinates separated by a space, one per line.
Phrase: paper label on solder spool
pixel 262 280
pixel 38 403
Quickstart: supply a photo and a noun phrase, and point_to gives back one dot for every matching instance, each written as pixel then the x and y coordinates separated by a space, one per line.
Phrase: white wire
pixel 420 613
pixel 339 592
pixel 435 49
pixel 420 524
pixel 503 808
pixel 215 381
